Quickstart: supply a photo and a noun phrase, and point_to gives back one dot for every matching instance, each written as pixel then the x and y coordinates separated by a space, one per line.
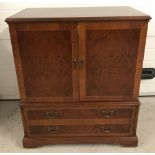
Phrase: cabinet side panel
pixel 17 60
pixel 140 57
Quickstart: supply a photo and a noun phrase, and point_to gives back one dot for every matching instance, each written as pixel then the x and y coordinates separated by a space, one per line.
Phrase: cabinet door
pixel 43 55
pixel 112 55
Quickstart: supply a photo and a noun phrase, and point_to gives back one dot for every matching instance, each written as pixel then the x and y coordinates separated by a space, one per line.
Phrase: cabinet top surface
pixel 78 14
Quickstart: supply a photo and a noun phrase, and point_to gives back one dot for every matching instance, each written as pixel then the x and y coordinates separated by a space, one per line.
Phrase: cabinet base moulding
pixel 29 142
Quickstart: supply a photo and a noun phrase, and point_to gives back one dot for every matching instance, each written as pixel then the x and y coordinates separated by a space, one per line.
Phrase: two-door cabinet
pixel 79 72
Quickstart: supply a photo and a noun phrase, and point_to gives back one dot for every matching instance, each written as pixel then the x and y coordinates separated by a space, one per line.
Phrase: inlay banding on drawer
pixel 44 114
pixel 80 130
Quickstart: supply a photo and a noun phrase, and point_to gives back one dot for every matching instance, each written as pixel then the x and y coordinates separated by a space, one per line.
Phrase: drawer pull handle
pixel 107 113
pixel 51 114
pixel 53 129
pixel 107 129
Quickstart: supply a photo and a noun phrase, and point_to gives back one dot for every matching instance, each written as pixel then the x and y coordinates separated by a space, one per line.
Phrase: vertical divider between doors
pixel 75 56
pixel 82 56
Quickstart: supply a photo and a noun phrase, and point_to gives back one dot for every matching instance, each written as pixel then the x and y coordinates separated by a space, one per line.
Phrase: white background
pixel 8 81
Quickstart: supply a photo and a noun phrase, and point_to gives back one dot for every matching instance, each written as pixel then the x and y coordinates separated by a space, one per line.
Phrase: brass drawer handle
pixel 53 129
pixel 107 129
pixel 107 113
pixel 51 114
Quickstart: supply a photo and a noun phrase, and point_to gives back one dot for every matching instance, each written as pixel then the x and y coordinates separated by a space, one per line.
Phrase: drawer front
pixel 80 130
pixel 107 113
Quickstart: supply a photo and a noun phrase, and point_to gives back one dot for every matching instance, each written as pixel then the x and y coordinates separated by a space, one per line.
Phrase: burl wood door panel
pixel 111 52
pixel 46 52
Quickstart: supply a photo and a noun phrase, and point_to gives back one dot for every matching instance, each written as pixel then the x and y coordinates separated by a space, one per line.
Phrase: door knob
pixel 75 63
pixel 78 63
pixel 81 62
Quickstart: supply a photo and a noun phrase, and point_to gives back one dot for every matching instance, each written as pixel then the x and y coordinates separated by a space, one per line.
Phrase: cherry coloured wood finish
pixel 77 14
pixel 77 113
pixel 80 130
pixel 46 67
pixel 114 46
pixel 33 142
pixel 119 59
pixel 79 72
pixel 52 63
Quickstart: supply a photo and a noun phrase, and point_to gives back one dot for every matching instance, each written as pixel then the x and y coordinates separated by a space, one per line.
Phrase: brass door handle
pixel 81 62
pixel 78 63
pixel 75 63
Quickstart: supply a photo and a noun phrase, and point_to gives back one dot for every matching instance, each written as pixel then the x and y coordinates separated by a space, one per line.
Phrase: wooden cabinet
pixel 79 73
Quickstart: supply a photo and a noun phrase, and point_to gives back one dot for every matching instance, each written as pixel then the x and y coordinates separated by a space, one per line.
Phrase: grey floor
pixel 11 132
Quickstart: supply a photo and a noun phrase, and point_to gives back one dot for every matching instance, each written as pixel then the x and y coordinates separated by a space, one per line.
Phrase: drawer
pixel 106 113
pixel 80 130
